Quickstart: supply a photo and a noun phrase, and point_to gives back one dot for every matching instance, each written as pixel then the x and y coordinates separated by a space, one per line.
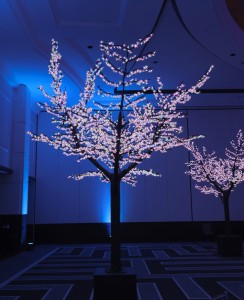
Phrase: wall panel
pixel 5 126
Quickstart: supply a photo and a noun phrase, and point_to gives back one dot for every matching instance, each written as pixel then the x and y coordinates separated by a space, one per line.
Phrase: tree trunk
pixel 227 213
pixel 115 225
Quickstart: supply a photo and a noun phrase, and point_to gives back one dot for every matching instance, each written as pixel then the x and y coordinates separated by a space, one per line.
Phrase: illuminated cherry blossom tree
pixel 222 175
pixel 115 131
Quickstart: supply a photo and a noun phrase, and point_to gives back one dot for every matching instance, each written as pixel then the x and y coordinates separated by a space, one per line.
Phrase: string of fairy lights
pixel 221 175
pixel 126 131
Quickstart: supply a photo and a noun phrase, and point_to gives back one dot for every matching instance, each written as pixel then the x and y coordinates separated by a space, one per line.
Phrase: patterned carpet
pixel 175 271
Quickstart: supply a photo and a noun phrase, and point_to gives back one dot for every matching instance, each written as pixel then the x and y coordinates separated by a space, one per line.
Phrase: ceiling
pixel 189 36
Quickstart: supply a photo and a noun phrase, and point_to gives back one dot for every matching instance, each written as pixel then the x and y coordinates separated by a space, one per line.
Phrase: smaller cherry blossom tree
pixel 222 175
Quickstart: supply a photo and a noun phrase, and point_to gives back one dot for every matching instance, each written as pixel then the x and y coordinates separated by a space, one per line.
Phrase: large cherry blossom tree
pixel 115 131
pixel 218 176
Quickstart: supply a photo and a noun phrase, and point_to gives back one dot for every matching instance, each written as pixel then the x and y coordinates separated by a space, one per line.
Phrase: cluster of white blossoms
pixel 221 174
pixel 117 137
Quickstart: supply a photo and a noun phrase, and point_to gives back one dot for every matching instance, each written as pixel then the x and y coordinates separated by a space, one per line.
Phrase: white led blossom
pixel 116 137
pixel 221 175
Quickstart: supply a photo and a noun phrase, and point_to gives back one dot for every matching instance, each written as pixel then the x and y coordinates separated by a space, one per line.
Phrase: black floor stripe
pixel 147 253
pixel 190 249
pixel 167 288
pixel 171 253
pixel 214 289
pixel 67 273
pixel 80 290
pixel 24 295
pixel 77 251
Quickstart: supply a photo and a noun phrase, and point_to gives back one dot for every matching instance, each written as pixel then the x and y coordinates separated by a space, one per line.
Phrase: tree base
pixel 120 285
pixel 229 245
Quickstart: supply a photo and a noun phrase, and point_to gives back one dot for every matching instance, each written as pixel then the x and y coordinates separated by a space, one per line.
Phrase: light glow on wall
pixel 25 185
pixel 22 110
pixel 104 192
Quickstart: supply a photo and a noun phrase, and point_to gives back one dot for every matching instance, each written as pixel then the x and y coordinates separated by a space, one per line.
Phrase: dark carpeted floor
pixel 165 271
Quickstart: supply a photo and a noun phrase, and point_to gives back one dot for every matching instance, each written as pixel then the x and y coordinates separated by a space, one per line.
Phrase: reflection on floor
pixel 168 271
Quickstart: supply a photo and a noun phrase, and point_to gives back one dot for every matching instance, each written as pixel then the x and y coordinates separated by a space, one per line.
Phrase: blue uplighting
pixel 105 199
pixel 25 185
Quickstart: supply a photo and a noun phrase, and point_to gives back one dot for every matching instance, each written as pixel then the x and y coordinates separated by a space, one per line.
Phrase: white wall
pixel 6 94
pixel 168 198
pixel 14 147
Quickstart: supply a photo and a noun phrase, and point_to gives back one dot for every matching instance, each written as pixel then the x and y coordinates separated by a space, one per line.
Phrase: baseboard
pixel 130 232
